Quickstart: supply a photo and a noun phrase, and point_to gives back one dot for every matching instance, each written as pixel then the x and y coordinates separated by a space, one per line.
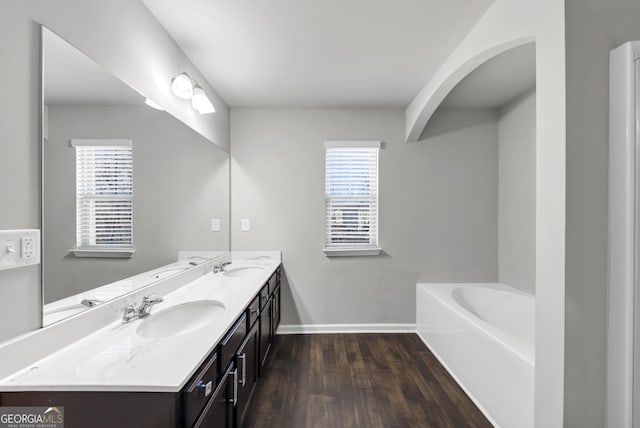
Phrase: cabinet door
pixel 219 410
pixel 266 317
pixel 276 310
pixel 247 365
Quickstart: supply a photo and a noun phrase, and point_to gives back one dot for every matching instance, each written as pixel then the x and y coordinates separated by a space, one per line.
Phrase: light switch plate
pixel 19 248
pixel 215 225
pixel 245 224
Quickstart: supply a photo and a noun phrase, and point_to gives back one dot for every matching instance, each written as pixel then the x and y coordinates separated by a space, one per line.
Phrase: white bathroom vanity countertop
pixel 65 307
pixel 116 358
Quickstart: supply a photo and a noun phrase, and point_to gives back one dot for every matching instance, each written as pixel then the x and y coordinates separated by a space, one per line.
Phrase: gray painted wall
pixel 517 193
pixel 438 207
pixel 593 28
pixel 104 31
pixel 181 181
pixel 20 299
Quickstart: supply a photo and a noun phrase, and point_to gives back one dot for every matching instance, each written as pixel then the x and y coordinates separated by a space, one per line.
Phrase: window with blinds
pixel 104 194
pixel 351 195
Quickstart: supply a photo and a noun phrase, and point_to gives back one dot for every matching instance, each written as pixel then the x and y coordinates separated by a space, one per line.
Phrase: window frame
pixel 372 248
pixel 102 250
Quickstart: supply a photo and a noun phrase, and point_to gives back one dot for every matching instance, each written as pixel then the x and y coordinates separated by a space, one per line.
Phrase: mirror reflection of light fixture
pixel 155 105
pixel 201 102
pixel 183 86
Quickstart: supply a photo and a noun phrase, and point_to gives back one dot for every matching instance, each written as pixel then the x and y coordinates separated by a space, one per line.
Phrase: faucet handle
pixel 131 307
pixel 130 313
pixel 152 299
pixel 147 303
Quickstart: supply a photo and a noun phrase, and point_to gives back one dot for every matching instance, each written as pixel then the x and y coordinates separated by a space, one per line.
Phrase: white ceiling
pixel 318 53
pixel 71 77
pixel 496 82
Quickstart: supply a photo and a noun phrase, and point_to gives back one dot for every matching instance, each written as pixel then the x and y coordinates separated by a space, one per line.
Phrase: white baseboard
pixel 345 328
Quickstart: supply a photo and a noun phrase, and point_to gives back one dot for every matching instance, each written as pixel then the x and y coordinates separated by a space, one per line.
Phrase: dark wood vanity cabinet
pixel 269 317
pixel 266 331
pixel 247 366
pixel 276 309
pixel 217 396
pixel 242 354
pixel 219 411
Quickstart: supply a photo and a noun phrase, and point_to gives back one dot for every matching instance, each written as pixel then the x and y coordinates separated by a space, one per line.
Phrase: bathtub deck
pixel 358 380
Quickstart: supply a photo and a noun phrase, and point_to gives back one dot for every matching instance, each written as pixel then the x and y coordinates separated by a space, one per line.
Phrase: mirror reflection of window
pixel 104 194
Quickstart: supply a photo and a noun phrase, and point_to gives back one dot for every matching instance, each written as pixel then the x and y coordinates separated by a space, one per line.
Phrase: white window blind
pixel 104 194
pixel 351 194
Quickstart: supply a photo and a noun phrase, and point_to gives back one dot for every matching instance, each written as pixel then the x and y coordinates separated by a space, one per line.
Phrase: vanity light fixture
pixel 185 87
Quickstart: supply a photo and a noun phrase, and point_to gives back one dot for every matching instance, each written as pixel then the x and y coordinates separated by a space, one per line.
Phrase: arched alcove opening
pixel 419 113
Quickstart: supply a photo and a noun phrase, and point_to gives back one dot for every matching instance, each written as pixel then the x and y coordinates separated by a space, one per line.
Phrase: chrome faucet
pixel 130 313
pixel 147 303
pixel 219 267
pixel 133 311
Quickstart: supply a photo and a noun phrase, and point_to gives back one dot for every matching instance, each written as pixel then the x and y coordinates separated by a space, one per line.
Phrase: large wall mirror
pixel 170 196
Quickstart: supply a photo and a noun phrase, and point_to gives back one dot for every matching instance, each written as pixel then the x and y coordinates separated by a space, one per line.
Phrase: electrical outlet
pixel 27 247
pixel 245 225
pixel 215 225
pixel 19 248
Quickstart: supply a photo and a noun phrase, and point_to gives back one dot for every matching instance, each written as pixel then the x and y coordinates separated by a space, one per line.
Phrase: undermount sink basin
pixel 242 271
pixel 180 319
pixel 164 273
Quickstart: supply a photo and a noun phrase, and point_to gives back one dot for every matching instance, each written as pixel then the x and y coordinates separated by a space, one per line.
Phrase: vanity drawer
pixel 272 282
pixel 200 389
pixel 264 296
pixel 232 341
pixel 253 311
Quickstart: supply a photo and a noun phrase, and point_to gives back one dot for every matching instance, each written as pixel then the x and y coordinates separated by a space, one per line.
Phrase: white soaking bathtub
pixel 484 335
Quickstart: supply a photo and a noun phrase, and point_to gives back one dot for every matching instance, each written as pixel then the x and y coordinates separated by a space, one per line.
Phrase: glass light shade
pixel 182 86
pixel 155 105
pixel 201 102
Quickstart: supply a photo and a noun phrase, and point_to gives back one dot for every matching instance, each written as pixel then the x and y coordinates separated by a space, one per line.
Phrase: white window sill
pixel 344 252
pixel 113 253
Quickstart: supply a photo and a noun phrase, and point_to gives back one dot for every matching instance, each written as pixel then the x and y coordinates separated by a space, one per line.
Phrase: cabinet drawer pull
pixel 243 379
pixel 208 387
pixel 235 387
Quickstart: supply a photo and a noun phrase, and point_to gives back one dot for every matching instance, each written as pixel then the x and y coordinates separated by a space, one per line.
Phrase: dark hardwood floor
pixel 358 380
